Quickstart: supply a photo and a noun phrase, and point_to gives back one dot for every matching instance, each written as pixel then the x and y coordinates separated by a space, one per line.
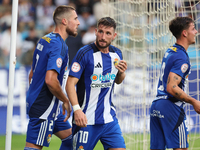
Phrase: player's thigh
pixel 157 138
pixel 87 137
pixel 62 129
pixel 111 137
pixel 173 122
pixel 39 131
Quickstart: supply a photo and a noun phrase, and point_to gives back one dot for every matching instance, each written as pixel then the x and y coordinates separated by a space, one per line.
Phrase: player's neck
pixel 183 43
pixel 62 33
pixel 103 50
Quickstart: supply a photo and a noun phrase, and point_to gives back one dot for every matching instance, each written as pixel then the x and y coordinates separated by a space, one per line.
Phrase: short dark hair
pixel 107 21
pixel 178 24
pixel 59 11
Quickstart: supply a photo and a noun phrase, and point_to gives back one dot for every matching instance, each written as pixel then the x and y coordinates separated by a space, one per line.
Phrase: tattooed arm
pixel 173 89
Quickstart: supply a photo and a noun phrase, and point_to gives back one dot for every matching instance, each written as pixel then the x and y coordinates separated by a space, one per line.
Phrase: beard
pixel 98 45
pixel 70 32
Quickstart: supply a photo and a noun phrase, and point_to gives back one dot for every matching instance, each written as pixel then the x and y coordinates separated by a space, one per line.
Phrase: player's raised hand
pixel 80 118
pixel 121 66
pixel 66 106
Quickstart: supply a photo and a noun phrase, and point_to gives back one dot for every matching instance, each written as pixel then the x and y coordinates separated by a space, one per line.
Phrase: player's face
pixel 73 23
pixel 104 36
pixel 191 33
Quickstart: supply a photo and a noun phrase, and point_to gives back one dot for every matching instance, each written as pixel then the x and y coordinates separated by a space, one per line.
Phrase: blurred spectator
pixel 26 14
pixel 28 47
pixel 61 2
pixel 74 44
pixel 98 10
pixel 49 29
pixel 89 36
pixel 85 13
pixel 5 14
pixel 5 46
pixel 32 36
pixel 44 14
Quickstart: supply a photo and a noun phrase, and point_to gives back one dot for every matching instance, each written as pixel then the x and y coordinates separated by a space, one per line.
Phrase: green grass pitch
pixel 133 141
pixel 18 143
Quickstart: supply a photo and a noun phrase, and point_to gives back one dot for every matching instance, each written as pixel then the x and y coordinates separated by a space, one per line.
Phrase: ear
pixel 64 21
pixel 115 34
pixel 184 33
pixel 95 31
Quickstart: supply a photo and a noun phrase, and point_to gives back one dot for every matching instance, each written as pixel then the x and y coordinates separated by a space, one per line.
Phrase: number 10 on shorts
pixel 83 136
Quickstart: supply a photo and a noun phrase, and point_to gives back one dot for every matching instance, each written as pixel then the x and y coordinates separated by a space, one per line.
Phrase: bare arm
pixel 173 88
pixel 122 66
pixel 30 75
pixel 56 89
pixel 79 116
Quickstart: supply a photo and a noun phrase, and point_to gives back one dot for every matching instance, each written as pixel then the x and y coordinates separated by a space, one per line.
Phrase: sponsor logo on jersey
pixel 116 61
pixel 98 65
pixel 184 68
pixel 166 54
pixel 59 62
pixel 75 67
pixel 49 138
pixel 101 85
pixel 81 148
pixel 46 39
pixel 173 48
pixel 40 47
pixel 107 77
pixel 156 113
pixel 101 77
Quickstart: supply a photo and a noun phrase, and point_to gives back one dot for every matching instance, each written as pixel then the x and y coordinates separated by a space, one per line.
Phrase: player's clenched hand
pixel 80 118
pixel 122 66
pixel 66 106
pixel 196 106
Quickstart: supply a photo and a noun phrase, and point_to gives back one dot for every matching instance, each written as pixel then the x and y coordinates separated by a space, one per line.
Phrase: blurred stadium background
pixel 143 37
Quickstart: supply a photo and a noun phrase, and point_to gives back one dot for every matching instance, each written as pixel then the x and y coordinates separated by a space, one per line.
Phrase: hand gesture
pixel 121 66
pixel 67 106
pixel 80 118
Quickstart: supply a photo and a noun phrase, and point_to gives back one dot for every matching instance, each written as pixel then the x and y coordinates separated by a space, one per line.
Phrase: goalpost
pixel 143 37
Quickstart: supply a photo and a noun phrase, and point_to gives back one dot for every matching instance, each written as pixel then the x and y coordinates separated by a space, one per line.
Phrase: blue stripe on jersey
pixel 83 52
pixel 106 69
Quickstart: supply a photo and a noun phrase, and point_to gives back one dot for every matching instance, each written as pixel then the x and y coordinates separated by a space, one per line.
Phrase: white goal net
pixel 143 37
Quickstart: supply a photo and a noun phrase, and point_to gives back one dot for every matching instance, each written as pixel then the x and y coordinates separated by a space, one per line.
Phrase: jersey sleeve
pixel 55 59
pixel 78 64
pixel 180 66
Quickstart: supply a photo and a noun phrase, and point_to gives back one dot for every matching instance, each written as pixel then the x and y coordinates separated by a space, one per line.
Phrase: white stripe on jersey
pixel 42 133
pixel 48 111
pixel 107 116
pixel 182 138
pixel 94 92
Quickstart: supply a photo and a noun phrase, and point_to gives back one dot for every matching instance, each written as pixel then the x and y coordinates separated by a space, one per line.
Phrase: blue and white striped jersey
pixel 96 73
pixel 175 60
pixel 51 53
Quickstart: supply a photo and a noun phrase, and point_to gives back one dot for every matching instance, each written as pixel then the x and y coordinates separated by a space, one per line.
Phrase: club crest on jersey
pixel 59 62
pixel 75 67
pixel 81 148
pixel 184 68
pixel 116 61
pixel 49 138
